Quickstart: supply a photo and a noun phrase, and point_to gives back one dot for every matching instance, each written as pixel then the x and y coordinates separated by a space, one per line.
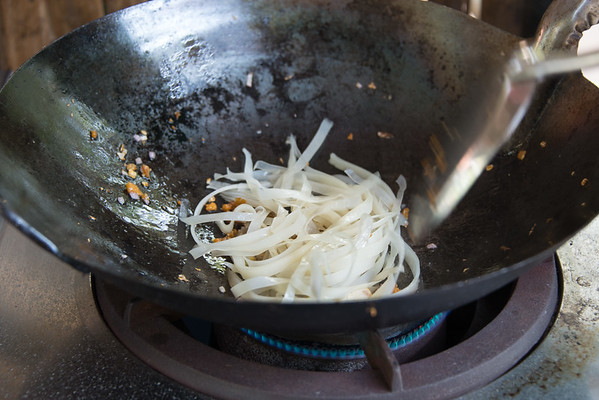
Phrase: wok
pixel 178 70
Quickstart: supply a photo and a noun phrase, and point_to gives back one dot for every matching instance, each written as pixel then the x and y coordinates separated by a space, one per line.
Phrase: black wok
pixel 138 69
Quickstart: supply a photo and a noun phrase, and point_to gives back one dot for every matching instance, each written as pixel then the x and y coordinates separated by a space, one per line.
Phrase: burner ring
pixel 343 352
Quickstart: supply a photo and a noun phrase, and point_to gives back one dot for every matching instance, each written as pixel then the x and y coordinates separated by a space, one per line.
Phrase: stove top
pixel 55 344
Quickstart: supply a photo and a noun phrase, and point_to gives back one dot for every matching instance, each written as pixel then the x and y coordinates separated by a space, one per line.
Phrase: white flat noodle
pixel 222 216
pixel 267 168
pixel 308 235
pixel 315 143
pixel 343 165
pixel 256 284
pixel 401 182
pixel 202 203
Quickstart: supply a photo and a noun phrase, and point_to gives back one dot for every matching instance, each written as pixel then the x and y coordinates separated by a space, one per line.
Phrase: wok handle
pixel 562 24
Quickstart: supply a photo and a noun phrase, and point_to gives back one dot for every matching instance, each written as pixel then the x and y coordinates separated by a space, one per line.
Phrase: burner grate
pixel 150 332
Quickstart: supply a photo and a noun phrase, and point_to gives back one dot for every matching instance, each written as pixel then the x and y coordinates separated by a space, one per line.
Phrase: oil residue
pixel 206 235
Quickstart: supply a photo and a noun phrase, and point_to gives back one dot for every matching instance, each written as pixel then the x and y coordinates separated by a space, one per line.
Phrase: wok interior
pixel 179 72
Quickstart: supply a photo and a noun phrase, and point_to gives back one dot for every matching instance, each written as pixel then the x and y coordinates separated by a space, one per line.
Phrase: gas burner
pixel 481 341
pixel 333 352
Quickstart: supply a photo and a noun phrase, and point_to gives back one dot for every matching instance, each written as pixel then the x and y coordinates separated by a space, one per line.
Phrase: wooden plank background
pixel 26 26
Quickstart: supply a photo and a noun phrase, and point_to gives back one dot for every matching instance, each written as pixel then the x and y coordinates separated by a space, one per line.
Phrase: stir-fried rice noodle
pixel 307 235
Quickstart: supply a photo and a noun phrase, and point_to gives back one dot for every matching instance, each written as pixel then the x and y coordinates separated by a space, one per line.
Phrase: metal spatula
pixel 457 159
